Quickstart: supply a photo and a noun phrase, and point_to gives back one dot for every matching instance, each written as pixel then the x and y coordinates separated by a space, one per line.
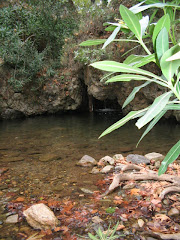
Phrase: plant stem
pixel 144 46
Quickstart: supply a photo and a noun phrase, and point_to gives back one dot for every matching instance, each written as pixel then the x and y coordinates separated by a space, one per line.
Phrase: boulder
pixel 39 216
pixel 155 156
pixel 137 159
pixel 87 161
pixel 106 160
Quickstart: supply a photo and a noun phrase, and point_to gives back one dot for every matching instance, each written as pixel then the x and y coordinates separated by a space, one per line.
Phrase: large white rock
pixel 39 216
pixel 155 156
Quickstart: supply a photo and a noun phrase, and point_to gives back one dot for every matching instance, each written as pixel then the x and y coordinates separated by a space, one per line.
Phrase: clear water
pixel 41 153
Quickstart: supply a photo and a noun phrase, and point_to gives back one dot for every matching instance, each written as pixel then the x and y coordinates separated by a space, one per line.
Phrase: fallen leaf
pixel 120 227
pixel 20 199
pixel 135 191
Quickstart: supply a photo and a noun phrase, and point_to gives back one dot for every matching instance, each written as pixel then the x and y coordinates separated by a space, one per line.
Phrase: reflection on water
pixel 41 153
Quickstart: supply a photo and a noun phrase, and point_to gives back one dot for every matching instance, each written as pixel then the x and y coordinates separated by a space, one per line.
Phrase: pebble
pixel 173 212
pixel 140 223
pixel 107 169
pixel 12 219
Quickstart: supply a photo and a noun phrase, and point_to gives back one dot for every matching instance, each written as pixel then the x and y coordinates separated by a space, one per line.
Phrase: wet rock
pixel 12 219
pixel 48 157
pixel 87 161
pixel 85 190
pixel 155 156
pixel 173 212
pixel 118 157
pixel 39 216
pixel 107 169
pixel 95 170
pixel 106 160
pixel 137 159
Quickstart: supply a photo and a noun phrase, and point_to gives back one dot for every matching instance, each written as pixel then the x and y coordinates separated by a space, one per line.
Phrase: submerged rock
pixel 137 159
pixel 39 216
pixel 87 161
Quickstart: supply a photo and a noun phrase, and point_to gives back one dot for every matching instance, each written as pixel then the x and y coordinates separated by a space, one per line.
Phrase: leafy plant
pixel 32 35
pixel 109 235
pixel 158 40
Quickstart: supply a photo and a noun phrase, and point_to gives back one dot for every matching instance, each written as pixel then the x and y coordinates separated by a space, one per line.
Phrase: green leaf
pixel 127 78
pixel 110 28
pixel 151 125
pixel 133 93
pixel 157 106
pixel 92 42
pixel 111 37
pixel 131 20
pixel 169 67
pixel 112 66
pixel 171 156
pixel 92 237
pixel 162 43
pixel 132 59
pixel 124 120
pixel 176 56
pixel 111 210
pixel 174 106
pixel 164 21
pixel 145 60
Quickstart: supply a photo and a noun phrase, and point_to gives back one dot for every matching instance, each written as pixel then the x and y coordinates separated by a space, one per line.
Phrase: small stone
pixel 137 159
pixel 106 160
pixel 173 212
pixel 97 219
pixel 12 219
pixel 118 157
pixel 140 223
pixel 87 161
pixel 157 164
pixel 39 216
pixel 107 169
pixel 85 190
pixel 95 170
pixel 129 186
pixel 155 156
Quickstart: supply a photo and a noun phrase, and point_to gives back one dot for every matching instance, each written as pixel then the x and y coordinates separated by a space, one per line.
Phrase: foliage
pixel 32 35
pixel 161 37
pixel 110 234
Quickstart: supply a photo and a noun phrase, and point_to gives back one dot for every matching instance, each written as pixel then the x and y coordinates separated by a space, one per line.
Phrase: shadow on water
pixel 41 153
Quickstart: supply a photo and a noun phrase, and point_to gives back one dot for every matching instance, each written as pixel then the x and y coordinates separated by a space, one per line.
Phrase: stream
pixel 41 153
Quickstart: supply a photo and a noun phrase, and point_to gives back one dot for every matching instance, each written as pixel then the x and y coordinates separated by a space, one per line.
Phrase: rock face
pixel 39 216
pixel 56 96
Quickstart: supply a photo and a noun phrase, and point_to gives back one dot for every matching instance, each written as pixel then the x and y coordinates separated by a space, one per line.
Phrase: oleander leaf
pixel 164 21
pixel 120 123
pixel 131 20
pixel 171 156
pixel 162 43
pixel 111 37
pixel 157 106
pixel 92 42
pixel 133 93
pixel 169 67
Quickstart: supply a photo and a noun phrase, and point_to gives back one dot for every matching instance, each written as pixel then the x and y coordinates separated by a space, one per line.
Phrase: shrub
pixel 32 36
